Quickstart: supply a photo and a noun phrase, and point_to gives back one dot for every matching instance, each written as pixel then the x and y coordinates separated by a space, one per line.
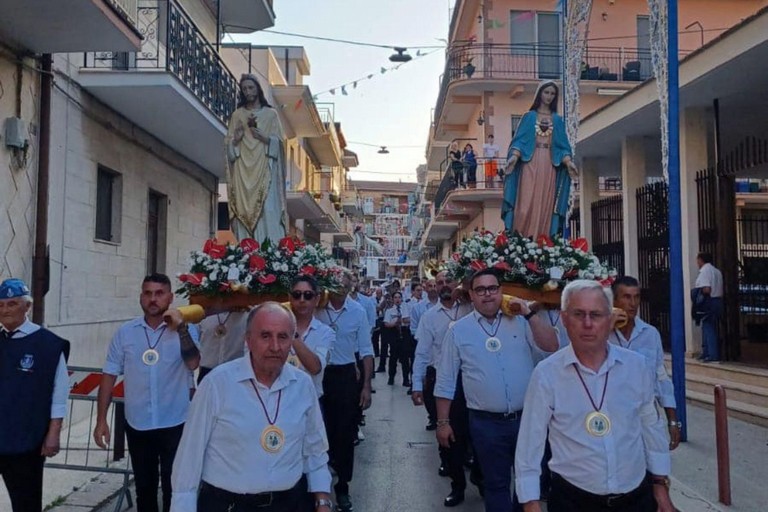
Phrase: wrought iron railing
pixel 172 42
pixel 470 61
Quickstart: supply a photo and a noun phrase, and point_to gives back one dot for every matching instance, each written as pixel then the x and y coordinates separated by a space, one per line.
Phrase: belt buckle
pixel 269 503
pixel 613 500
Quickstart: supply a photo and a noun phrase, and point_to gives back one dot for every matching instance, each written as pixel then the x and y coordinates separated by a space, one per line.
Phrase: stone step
pixel 727 371
pixel 746 412
pixel 745 393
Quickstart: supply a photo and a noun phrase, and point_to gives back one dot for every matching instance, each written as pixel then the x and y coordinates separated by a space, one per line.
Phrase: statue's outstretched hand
pixel 510 165
pixel 573 171
pixel 239 133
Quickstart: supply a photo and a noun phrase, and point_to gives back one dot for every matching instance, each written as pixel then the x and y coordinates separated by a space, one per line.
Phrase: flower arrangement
pixel 252 268
pixel 545 263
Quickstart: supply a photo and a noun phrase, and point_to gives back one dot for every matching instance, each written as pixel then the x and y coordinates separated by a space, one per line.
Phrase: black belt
pixel 603 500
pixel 262 499
pixel 340 367
pixel 515 415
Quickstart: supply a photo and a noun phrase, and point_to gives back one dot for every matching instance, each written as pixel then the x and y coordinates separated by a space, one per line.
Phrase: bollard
pixel 721 440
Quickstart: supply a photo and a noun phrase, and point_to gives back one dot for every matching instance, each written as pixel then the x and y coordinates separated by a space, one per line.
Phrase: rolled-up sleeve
pixel 421 360
pixel 315 452
pixel 655 437
pixel 665 390
pixel 115 362
pixel 60 390
pixel 448 368
pixel 364 343
pixel 324 347
pixel 537 412
pixel 188 464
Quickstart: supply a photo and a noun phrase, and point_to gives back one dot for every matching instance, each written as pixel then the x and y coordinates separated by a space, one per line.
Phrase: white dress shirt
pixel 216 349
pixel 711 277
pixel 352 331
pixel 155 396
pixel 392 314
pixel 431 332
pixel 417 311
pixel 493 381
pixel 61 379
pixel 221 444
pixel 319 338
pixel 646 340
pixel 490 150
pixel 556 400
pixel 369 305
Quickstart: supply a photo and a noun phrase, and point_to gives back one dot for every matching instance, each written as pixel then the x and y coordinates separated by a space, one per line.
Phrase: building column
pixel 693 158
pixel 589 192
pixel 633 174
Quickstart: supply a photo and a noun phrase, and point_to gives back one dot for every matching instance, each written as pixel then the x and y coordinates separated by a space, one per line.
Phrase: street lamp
pixel 383 150
pixel 400 56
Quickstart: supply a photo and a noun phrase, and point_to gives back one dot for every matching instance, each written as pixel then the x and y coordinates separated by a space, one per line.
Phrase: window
pixel 223 216
pixel 515 123
pixel 108 205
pixel 157 215
pixel 535 41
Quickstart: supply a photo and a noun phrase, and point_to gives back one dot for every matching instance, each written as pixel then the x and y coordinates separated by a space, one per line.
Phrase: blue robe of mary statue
pixel 525 142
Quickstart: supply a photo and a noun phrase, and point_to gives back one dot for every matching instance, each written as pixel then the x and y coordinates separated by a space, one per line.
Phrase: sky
pixel 391 109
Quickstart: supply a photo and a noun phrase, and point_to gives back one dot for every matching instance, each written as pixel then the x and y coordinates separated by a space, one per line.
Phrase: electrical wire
pixel 380 145
pixel 355 43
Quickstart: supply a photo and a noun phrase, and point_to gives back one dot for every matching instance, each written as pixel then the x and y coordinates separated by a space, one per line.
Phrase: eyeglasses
pixel 487 290
pixel 594 316
pixel 308 295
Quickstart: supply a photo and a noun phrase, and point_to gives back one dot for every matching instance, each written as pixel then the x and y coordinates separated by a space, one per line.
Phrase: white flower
pixel 213 276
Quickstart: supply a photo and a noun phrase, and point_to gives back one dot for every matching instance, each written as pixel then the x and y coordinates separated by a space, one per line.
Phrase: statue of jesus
pixel 256 167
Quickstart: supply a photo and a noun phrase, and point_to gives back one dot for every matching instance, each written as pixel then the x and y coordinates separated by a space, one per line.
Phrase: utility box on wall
pixel 16 133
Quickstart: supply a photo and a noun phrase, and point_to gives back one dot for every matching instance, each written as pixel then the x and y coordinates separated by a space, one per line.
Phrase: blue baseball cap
pixel 12 288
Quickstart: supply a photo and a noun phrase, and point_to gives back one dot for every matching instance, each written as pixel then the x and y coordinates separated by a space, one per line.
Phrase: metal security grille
pixel 608 231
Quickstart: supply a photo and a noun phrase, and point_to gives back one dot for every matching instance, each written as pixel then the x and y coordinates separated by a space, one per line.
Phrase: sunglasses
pixel 308 295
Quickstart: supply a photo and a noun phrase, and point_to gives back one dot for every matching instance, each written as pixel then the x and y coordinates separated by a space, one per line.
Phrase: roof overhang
pixel 301 205
pixel 299 110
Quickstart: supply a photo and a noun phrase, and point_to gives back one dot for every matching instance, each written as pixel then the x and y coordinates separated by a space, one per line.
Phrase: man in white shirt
pixel 254 430
pixel 644 339
pixel 490 154
pixel 609 443
pixel 709 284
pixel 33 397
pixel 157 356
pixel 397 326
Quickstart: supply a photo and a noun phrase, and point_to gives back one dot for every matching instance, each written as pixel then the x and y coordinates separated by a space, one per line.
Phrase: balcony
pixel 246 16
pixel 301 112
pixel 314 208
pixel 176 87
pixel 56 26
pixel 471 69
pixel 326 147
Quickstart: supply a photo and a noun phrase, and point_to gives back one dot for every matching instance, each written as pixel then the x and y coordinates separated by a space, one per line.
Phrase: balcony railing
pixel 539 62
pixel 172 42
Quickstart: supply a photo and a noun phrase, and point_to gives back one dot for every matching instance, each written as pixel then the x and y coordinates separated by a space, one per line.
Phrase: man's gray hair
pixel 268 307
pixel 581 285
pixel 27 298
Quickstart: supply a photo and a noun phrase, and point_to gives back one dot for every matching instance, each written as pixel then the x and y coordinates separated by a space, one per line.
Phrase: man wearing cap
pixel 33 380
pixel 157 355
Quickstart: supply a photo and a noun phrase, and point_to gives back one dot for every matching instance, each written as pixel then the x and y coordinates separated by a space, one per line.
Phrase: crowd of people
pixel 272 421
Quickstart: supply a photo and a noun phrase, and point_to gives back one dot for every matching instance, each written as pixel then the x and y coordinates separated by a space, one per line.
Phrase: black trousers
pixel 384 346
pixel 152 453
pixel 455 456
pixel 430 404
pixel 399 350
pixel 296 499
pixel 566 497
pixel 340 412
pixel 23 476
pixel 377 337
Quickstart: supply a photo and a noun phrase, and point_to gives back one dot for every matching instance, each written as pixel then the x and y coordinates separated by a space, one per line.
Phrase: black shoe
pixel 431 426
pixel 469 462
pixel 344 504
pixel 391 381
pixel 406 383
pixel 475 480
pixel 409 392
pixel 442 471
pixel 453 499
pixel 373 375
pixel 373 391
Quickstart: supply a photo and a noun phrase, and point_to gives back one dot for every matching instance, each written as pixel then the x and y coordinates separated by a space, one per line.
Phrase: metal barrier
pixel 79 451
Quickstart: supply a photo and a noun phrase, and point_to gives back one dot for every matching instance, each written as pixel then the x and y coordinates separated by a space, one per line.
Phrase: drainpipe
pixel 40 264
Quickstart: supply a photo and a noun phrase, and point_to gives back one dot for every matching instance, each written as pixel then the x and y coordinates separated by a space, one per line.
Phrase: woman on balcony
pixel 539 169
pixel 256 171
pixel 470 162
pixel 457 166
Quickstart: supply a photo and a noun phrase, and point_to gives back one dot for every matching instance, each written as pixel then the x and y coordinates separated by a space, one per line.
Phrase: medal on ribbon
pixel 151 356
pixel 272 437
pixel 597 423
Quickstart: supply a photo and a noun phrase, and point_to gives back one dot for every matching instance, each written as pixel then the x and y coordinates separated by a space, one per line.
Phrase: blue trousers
pixel 710 346
pixel 495 441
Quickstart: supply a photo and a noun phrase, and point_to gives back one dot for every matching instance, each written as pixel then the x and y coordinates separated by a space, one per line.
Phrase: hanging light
pixel 383 150
pixel 481 118
pixel 400 56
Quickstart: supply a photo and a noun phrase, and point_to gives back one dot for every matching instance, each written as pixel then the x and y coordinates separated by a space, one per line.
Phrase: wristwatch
pixel 530 315
pixel 322 502
pixel 675 423
pixel 661 480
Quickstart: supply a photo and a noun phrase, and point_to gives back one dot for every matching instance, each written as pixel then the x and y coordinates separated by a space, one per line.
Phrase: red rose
pixel 580 243
pixel 288 245
pixel 502 240
pixel 545 241
pixel 256 263
pixel 224 286
pixel 267 279
pixel 608 281
pixel 502 265
pixel 249 245
pixel 307 270
pixel 214 250
pixel 478 265
pixel 533 267
pixel 195 279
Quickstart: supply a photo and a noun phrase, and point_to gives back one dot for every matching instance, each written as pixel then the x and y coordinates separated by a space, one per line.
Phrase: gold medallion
pixel 493 344
pixel 272 439
pixel 598 424
pixel 150 357
pixel 220 330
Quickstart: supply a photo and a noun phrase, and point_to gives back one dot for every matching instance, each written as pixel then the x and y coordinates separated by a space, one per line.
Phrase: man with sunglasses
pixel 595 403
pixel 341 398
pixel 496 355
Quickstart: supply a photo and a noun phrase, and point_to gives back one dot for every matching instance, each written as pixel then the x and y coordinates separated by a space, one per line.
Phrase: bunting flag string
pixel 383 70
